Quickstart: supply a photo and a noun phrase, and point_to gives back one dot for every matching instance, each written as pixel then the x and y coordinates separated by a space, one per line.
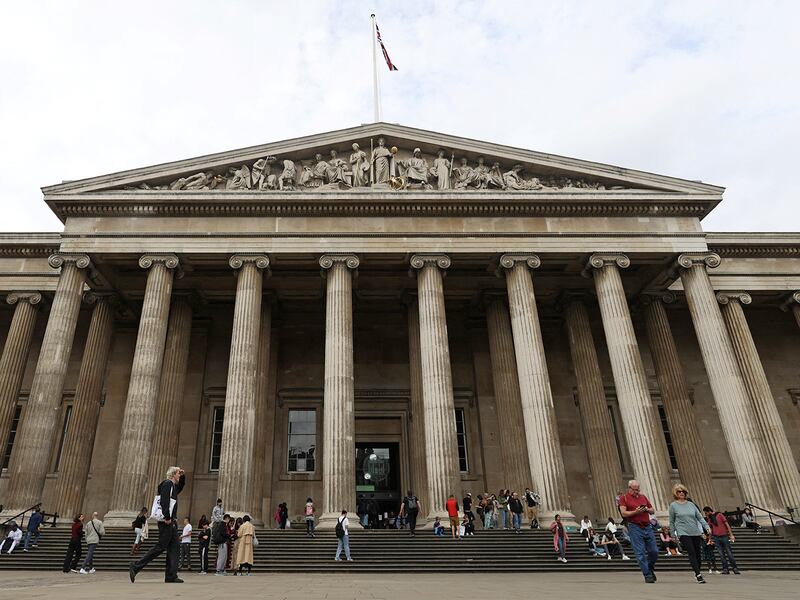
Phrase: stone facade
pixel 542 321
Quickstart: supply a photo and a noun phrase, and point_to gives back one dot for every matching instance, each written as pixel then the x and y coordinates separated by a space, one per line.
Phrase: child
pixel 437 527
pixel 709 555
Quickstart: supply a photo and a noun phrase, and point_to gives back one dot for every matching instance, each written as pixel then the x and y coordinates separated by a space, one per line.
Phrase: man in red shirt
pixel 636 509
pixel 452 512
pixel 723 537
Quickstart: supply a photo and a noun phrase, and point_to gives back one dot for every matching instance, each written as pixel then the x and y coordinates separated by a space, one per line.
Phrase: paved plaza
pixel 417 586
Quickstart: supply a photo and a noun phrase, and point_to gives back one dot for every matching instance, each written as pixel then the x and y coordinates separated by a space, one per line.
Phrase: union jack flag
pixel 389 62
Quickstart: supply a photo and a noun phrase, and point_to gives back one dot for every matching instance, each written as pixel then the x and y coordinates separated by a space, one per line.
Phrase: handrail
pixel 22 514
pixel 771 514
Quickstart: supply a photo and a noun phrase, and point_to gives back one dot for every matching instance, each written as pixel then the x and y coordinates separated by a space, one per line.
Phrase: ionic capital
pixel 32 298
pixel 507 261
pixel 418 261
pixel 93 297
pixel 648 297
pixel 237 261
pixel 728 297
pixel 692 259
pixel 81 261
pixel 326 261
pixel 599 260
pixel 170 261
pixel 794 298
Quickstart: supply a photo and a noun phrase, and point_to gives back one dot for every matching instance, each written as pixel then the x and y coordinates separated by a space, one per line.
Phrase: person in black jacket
pixel 204 540
pixel 168 491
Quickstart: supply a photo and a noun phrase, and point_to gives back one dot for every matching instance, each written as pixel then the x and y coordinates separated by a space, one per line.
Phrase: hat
pixel 469 494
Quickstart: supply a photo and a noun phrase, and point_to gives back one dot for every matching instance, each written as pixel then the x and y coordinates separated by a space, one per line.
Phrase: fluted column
pixel 261 452
pixel 15 355
pixel 166 432
pixel 793 303
pixel 600 447
pixel 238 429
pixel 441 445
pixel 138 423
pixel 639 416
pixel 419 466
pixel 773 433
pixel 76 454
pixel 31 454
pixel 338 421
pixel 541 431
pixel 689 453
pixel 739 423
pixel 508 400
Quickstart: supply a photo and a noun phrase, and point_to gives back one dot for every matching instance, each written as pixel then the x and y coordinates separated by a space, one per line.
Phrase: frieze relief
pixel 380 168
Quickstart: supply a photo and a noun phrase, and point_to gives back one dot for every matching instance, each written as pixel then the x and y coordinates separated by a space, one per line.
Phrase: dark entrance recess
pixel 378 480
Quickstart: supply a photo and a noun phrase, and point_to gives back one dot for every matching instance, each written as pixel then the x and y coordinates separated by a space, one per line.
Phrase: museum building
pixel 383 308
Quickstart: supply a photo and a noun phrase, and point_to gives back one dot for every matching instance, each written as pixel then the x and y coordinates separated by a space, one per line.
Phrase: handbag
pixel 99 535
pixel 255 539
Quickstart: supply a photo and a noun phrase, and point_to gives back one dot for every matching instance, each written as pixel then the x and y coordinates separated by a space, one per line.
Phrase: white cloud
pixel 701 90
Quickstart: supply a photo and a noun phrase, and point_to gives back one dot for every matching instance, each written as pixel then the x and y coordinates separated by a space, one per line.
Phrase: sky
pixel 705 89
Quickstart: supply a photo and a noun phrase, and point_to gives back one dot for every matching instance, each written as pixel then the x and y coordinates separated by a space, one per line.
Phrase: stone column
pixel 601 450
pixel 238 430
pixel 692 465
pixel 15 356
pixel 739 423
pixel 166 432
pixel 138 423
pixel 338 421
pixel 507 396
pixel 541 432
pixel 441 445
pixel 76 455
pixel 793 304
pixel 769 421
pixel 30 459
pixel 262 442
pixel 639 416
pixel 419 467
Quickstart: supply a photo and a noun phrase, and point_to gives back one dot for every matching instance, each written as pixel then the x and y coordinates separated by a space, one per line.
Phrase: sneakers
pixel 726 572
pixel 220 573
pixel 561 559
pixel 667 554
pixel 710 571
pixel 92 570
pixel 625 557
pixel 73 570
pixel 736 572
pixel 608 556
pixel 176 580
pixel 699 578
pixel 83 572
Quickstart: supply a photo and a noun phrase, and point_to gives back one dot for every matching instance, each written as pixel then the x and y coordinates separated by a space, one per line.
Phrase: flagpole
pixel 377 114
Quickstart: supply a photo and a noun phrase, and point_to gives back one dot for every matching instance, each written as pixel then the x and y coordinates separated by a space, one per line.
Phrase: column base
pixel 120 518
pixel 328 521
pixel 546 518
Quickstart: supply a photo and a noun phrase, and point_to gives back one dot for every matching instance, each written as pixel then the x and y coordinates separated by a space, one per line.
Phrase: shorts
pixel 455 522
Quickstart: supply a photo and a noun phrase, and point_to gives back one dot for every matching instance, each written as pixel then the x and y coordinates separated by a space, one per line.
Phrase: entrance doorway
pixel 377 481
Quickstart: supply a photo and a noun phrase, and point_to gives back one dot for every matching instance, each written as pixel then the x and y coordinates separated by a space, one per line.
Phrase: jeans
pixel 412 519
pixel 516 520
pixel 723 544
pixel 167 540
pixel 693 544
pixel 222 557
pixel 186 559
pixel 88 562
pixel 138 539
pixel 487 520
pixel 561 549
pixel 31 534
pixel 343 542
pixel 644 545
pixel 503 519
pixel 73 555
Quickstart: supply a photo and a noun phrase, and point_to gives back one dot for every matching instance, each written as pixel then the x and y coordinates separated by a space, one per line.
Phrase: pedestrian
pixel 560 538
pixel 467 504
pixel 488 512
pixel 34 529
pixel 709 555
pixel 480 507
pixel 203 542
pixel 73 556
pixel 452 511
pixel 309 517
pixel 749 521
pixel 532 508
pixel 218 512
pixel 186 545
pixel 284 514
pixel 409 509
pixel 688 525
pixel 467 526
pixel 610 542
pixel 502 514
pixel 13 538
pixel 668 543
pixel 438 529
pixel 165 511
pixel 245 543
pixel 220 535
pixel 636 509
pixel 515 506
pixel 232 564
pixel 94 533
pixel 586 526
pixel 139 524
pixel 343 536
pixel 202 522
pixel 722 536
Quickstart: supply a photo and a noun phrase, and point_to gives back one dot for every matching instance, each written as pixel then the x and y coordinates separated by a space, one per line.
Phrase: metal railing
pixel 771 514
pixel 21 516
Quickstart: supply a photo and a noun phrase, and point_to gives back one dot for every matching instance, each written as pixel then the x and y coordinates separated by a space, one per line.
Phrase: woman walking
pixel 244 545
pixel 310 518
pixel 688 525
pixel 560 538
pixel 139 523
pixel 74 549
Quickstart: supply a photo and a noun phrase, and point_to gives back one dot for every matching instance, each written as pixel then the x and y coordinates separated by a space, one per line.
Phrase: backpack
pixel 216 533
pixel 133 523
pixel 411 503
pixel 339 529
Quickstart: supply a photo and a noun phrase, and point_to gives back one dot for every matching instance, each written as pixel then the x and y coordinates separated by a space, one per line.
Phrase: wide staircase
pixel 387 551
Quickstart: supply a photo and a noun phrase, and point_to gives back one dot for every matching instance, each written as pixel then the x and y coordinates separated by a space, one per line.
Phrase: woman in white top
pixel 586 526
pixel 344 540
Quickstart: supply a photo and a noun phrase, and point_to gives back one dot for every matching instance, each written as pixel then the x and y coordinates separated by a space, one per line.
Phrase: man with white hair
pixel 636 509
pixel 165 510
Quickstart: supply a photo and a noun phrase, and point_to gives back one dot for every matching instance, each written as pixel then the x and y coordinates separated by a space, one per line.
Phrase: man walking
pixel 722 535
pixel 410 509
pixel 452 512
pixel 165 511
pixel 636 509
pixel 186 545
pixel 221 537
pixel 94 532
pixel 34 529
pixel 343 536
pixel 515 506
pixel 532 507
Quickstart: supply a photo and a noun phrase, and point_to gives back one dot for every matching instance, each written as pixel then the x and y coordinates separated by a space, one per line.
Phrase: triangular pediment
pixel 409 159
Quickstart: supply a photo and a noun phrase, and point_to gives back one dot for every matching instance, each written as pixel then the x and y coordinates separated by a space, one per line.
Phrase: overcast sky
pixel 699 90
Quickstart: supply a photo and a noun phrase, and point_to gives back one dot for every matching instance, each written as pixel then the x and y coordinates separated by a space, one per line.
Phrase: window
pixel 64 430
pixel 615 430
pixel 11 435
pixel 662 414
pixel 216 437
pixel 461 437
pixel 302 441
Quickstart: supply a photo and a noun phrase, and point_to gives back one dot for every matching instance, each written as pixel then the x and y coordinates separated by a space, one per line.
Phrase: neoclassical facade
pixel 383 308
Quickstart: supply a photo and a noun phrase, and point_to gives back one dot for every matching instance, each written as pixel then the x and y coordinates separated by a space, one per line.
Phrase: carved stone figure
pixel 359 165
pixel 320 170
pixel 261 174
pixel 495 177
pixel 286 179
pixel 238 178
pixel 198 181
pixel 416 168
pixel 380 157
pixel 464 176
pixel 441 170
pixel 481 174
pixel 337 170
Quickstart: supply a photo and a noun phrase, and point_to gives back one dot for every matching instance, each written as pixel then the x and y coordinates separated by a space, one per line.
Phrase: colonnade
pixel 762 460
